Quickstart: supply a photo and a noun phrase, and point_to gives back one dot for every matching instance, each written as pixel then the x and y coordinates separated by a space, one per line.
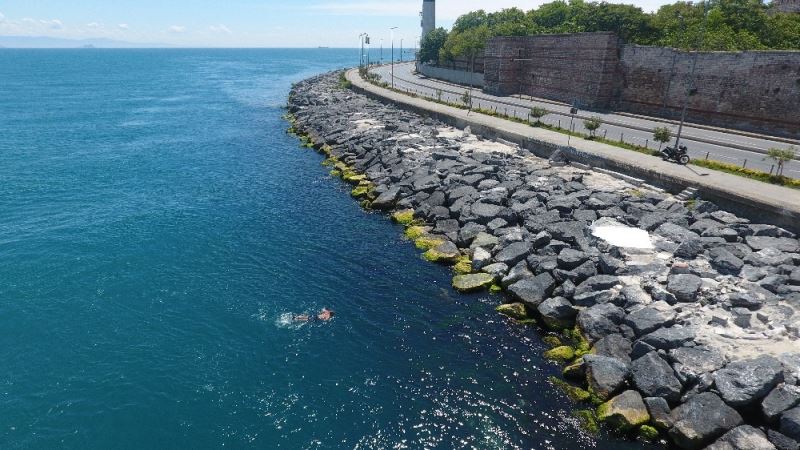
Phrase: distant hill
pixel 49 42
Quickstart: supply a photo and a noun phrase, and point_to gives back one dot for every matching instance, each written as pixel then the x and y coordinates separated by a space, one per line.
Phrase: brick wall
pixel 758 91
pixel 578 68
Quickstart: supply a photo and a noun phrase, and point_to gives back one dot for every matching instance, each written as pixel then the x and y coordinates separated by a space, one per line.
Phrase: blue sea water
pixel 158 227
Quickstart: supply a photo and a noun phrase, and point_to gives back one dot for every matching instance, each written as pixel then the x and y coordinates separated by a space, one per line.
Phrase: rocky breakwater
pixel 673 320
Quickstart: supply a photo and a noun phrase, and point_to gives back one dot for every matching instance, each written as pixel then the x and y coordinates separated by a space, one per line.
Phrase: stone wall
pixel 786 6
pixel 453 76
pixel 578 68
pixel 755 91
pixel 758 91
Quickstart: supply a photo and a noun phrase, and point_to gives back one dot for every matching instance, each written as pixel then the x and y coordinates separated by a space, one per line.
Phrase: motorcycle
pixel 676 154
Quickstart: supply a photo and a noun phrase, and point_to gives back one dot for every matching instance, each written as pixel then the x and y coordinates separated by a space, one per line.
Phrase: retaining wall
pixel 453 76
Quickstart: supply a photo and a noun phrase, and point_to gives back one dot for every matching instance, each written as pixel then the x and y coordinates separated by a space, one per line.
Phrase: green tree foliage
pixel 592 124
pixel 662 135
pixel 717 24
pixel 537 113
pixel 433 42
pixel 781 156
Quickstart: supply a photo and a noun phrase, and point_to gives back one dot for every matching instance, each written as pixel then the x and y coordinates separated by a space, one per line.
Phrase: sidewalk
pixel 754 199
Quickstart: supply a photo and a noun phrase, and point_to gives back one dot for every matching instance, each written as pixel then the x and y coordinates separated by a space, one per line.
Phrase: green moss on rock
pixel 513 310
pixel 573 392
pixel 472 282
pixel 624 412
pixel 563 353
pixel 428 242
pixel 648 433
pixel 404 217
pixel 587 420
pixel 552 341
pixel 495 288
pixel 463 265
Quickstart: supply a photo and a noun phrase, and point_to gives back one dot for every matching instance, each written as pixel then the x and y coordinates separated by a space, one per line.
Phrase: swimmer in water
pixel 323 316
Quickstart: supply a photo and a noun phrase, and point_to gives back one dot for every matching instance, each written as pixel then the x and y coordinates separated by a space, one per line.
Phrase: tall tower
pixel 428 17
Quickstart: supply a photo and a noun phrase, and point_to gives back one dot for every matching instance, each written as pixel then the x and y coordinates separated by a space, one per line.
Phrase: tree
pixel 781 156
pixel 537 113
pixel 592 124
pixel 433 42
pixel 662 135
pixel 466 99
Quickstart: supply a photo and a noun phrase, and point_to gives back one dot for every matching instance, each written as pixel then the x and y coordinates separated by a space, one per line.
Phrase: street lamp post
pixel 401 49
pixel 393 28
pixel 361 55
pixel 690 88
pixel 381 50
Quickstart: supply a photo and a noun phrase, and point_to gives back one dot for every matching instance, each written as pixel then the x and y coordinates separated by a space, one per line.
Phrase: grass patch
pixel 748 173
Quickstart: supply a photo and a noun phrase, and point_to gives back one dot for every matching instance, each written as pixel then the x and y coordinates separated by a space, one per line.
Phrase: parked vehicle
pixel 679 155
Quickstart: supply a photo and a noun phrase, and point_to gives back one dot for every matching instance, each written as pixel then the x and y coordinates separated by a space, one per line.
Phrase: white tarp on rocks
pixel 620 235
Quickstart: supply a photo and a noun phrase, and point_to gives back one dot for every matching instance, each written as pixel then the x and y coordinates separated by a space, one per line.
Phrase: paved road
pixel 726 147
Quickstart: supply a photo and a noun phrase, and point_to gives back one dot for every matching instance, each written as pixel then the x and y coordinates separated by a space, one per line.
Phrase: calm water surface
pixel 157 226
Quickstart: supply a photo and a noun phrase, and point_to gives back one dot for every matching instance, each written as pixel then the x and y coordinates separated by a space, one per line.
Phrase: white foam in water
pixel 620 235
pixel 286 320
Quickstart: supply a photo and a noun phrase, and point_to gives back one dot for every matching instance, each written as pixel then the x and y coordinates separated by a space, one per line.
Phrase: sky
pixel 241 23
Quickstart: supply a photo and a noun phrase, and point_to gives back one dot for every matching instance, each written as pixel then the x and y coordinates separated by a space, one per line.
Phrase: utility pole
pixel 401 49
pixel 691 76
pixel 392 30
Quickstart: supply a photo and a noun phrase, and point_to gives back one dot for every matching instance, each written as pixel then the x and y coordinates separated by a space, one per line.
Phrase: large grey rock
pixel 651 318
pixel 684 287
pixel 701 420
pixel 659 411
pixel 790 423
pixel 782 398
pixel 741 383
pixel 597 283
pixel 655 378
pixel 387 199
pixel 726 262
pixel 625 411
pixel 600 321
pixel 615 346
pixel 689 249
pixel 513 253
pixel 783 244
pixel 690 363
pixel 480 258
pixel 557 313
pixel 485 240
pixel 675 233
pixel 605 376
pixel 517 273
pixel 485 212
pixel 533 291
pixel 569 259
pixel 744 437
pixel 669 338
pixel 781 441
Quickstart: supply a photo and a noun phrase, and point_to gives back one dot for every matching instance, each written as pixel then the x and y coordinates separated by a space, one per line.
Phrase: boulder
pixel 533 291
pixel 472 282
pixel 669 338
pixel 741 383
pixel 615 346
pixel 781 441
pixel 660 413
pixel 446 252
pixel 597 283
pixel 480 258
pixel 675 233
pixel 690 363
pixel 485 240
pixel 625 411
pixel 654 378
pixel 650 318
pixel 684 287
pixel 605 376
pixel 600 321
pixel 514 310
pixel 557 313
pixel 610 265
pixel 517 273
pixel 787 245
pixel 782 398
pixel 497 270
pixel 513 253
pixel 701 420
pixel 743 437
pixel 570 259
pixel 386 200
pixel 790 423
pixel 725 262
pixel 689 249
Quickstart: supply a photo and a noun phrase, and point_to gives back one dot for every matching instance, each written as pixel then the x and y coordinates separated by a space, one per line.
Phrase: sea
pixel 158 231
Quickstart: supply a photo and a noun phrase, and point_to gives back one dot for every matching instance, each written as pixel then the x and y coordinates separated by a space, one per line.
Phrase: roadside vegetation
pixel 732 25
